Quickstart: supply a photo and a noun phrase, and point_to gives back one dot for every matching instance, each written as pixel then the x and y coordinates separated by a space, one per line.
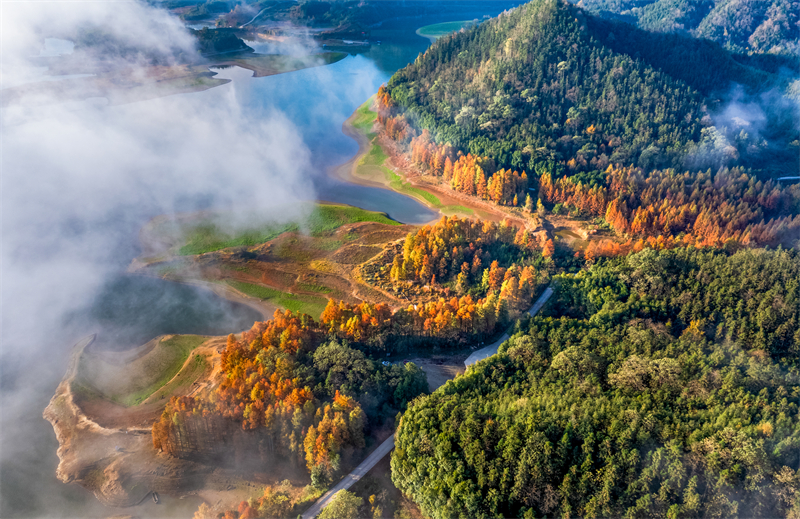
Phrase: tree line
pixel 703 209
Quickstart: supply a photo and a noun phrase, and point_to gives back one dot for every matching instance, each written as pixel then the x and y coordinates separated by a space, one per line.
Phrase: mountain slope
pixel 666 386
pixel 547 83
pixel 740 25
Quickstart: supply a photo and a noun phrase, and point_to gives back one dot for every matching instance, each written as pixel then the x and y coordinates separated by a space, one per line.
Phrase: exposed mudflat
pixel 116 460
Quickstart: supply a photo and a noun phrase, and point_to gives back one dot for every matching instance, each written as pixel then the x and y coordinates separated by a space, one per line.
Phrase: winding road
pixel 490 350
pixel 388 444
pixel 254 18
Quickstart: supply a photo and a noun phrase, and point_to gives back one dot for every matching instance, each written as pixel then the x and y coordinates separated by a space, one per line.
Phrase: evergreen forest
pixel 660 384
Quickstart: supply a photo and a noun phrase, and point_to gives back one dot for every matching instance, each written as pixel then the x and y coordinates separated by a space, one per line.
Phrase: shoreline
pixel 118 464
pixel 346 172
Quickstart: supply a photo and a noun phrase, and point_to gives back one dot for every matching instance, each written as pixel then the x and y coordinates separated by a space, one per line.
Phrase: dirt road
pixel 490 350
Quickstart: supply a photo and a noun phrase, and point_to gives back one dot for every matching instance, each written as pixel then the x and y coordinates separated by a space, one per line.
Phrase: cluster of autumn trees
pixel 285 395
pixel 705 209
pixel 460 250
pixel 495 270
pixel 472 256
pixel 467 174
pixel 446 322
pixel 474 176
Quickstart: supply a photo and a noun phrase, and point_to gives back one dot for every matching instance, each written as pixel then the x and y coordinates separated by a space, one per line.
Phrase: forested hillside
pixel 548 87
pixel 740 25
pixel 665 384
pixel 468 280
pixel 288 395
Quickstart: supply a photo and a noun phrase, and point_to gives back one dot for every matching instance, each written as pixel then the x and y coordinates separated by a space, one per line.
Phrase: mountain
pixel 760 26
pixel 547 85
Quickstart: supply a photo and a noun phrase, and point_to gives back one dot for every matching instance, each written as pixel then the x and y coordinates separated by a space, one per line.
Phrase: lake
pixel 129 310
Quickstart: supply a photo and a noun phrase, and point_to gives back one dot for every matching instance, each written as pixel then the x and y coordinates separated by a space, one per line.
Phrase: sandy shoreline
pixel 346 171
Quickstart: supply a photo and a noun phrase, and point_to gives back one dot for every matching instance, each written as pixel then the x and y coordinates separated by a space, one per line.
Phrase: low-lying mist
pixel 79 179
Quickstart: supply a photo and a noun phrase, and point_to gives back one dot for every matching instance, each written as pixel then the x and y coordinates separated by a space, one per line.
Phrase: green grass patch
pixel 453 209
pixel 437 30
pixel 208 237
pixel 131 383
pixel 311 305
pixel 311 287
pixel 329 245
pixel 374 157
pixel 183 379
pixel 365 118
pixel 396 183
pixel 175 352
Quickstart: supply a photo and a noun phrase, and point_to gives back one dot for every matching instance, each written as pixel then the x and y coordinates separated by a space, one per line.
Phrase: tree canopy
pixel 667 385
pixel 546 84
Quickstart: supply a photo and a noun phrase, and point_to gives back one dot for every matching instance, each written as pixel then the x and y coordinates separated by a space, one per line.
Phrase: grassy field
pixel 133 382
pixel 453 209
pixel 437 30
pixel 311 305
pixel 365 118
pixel 311 287
pixel 183 379
pixel 207 237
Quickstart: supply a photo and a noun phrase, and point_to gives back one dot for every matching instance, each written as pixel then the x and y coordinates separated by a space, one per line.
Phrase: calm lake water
pixel 129 310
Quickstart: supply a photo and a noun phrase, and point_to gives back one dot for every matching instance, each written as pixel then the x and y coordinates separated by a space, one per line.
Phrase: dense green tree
pixel 740 25
pixel 662 384
pixel 546 87
pixel 344 505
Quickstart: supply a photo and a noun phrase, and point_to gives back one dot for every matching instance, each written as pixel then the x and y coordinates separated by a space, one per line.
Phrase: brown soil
pixel 441 368
pixel 292 262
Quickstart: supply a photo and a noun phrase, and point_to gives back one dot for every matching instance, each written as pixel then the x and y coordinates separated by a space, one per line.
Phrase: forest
pixel 726 208
pixel 660 384
pixel 547 87
pixel 217 41
pixel 766 26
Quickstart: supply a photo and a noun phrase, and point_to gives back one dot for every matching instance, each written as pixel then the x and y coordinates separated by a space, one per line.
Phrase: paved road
pixel 490 350
pixel 384 448
pixel 348 481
